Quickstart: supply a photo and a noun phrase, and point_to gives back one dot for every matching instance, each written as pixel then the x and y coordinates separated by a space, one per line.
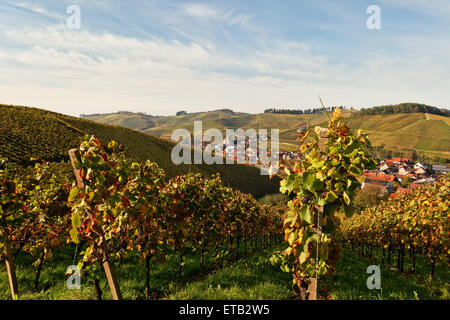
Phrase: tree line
pixel 306 111
pixel 405 108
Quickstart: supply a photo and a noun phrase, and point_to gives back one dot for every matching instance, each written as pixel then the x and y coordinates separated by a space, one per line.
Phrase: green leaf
pixel 76 220
pixel 305 215
pixel 320 175
pixel 346 198
pixel 302 257
pixel 318 164
pixel 291 205
pixel 331 171
pixel 288 184
pixel 73 194
pixel 333 150
pixel 102 207
pixel 74 235
pixel 314 237
pixel 292 237
pixel 329 227
pixel 308 181
pixel 290 217
pixel 349 210
pixel 349 183
pixel 331 196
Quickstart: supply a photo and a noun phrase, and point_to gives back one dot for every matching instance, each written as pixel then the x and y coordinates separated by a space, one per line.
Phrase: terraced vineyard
pixel 29 132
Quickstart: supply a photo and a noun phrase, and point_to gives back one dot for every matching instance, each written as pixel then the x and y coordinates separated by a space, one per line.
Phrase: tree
pixel 370 196
pixel 406 181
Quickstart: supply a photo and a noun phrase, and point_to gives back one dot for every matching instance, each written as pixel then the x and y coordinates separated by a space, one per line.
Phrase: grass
pixel 251 278
pixel 349 280
pixel 164 278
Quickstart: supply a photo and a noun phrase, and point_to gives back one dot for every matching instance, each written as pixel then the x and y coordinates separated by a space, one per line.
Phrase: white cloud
pixel 85 72
pixel 200 10
pixel 33 7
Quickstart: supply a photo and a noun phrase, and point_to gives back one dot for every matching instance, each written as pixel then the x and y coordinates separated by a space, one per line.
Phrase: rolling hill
pixel 428 135
pixel 29 132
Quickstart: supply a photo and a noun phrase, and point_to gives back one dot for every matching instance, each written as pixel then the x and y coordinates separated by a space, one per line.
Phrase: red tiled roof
pixel 401 159
pixel 390 163
pixel 382 177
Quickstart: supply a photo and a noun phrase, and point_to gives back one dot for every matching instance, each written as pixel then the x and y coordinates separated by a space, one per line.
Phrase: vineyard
pixel 414 223
pixel 128 225
pixel 122 207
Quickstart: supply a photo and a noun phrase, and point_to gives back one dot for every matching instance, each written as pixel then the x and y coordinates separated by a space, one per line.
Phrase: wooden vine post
pixel 11 270
pixel 107 264
pixel 312 287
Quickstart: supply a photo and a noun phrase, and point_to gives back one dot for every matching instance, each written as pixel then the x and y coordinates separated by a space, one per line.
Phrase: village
pixel 391 177
pixel 399 175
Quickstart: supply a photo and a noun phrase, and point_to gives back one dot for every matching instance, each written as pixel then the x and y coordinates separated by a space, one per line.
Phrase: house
pixel 386 165
pixel 398 160
pixel 440 169
pixel 420 165
pixel 425 181
pixel 403 171
pixel 420 170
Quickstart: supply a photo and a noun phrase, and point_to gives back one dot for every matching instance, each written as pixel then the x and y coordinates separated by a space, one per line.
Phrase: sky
pixel 160 57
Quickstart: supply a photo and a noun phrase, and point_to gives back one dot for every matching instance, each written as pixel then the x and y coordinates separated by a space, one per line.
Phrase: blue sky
pixel 163 56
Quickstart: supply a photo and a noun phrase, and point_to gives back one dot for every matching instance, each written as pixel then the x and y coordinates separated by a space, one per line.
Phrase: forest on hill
pixel 405 108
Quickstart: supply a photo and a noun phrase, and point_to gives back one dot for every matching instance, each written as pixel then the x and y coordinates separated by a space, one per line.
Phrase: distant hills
pixel 29 132
pixel 409 129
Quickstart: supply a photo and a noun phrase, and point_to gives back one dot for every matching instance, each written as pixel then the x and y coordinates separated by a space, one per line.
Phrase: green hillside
pixel 424 133
pixel 29 132
pixel 220 119
pixel 428 135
